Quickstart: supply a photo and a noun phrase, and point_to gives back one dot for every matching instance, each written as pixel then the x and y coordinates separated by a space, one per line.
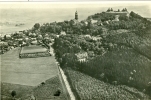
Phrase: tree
pixel 13 93
pixel 108 10
pixel 37 26
pixel 125 9
pixel 58 92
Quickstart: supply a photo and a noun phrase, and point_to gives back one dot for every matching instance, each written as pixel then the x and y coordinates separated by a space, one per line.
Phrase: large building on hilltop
pixel 117 13
pixel 124 12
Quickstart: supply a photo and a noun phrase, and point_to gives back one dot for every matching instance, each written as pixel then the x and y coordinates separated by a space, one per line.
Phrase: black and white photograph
pixel 75 50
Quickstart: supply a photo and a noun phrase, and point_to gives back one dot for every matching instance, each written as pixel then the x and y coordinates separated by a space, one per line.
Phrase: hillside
pixel 104 56
pixel 120 52
pixel 43 91
pixel 88 88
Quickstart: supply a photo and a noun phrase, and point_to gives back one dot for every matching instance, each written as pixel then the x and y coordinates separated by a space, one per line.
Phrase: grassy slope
pixel 21 90
pixel 48 90
pixel 41 92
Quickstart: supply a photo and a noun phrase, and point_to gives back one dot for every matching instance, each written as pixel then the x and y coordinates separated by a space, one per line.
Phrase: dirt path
pixel 63 76
pixel 67 84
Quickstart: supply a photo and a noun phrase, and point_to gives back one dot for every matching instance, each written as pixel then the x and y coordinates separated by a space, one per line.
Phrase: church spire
pixel 76 15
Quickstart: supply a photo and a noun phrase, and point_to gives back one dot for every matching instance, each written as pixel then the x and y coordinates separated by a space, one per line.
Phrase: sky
pixel 141 7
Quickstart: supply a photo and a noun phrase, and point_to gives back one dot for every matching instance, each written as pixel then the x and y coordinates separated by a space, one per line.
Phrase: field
pixel 47 91
pixel 26 76
pixel 87 88
pixel 30 71
pixel 44 91
pixel 21 90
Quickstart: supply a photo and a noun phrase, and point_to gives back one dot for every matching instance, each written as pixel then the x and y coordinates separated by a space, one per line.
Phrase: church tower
pixel 76 15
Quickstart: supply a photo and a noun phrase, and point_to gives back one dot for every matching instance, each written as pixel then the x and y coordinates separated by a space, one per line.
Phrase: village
pixel 104 56
pixel 36 37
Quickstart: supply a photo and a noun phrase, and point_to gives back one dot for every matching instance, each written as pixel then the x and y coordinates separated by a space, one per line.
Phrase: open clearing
pixel 29 71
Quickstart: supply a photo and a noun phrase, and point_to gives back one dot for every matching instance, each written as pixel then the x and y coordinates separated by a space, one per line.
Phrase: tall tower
pixel 76 15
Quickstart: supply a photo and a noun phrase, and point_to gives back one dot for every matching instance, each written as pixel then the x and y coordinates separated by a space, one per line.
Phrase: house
pixel 24 43
pixel 33 39
pixel 1 37
pixel 87 36
pixel 20 39
pixel 26 39
pixel 3 43
pixel 32 34
pixel 116 18
pixel 107 22
pixel 62 33
pixel 82 56
pixel 93 21
pixel 99 23
pixel 84 22
pixel 34 42
pixel 7 36
pixel 57 36
pixel 95 38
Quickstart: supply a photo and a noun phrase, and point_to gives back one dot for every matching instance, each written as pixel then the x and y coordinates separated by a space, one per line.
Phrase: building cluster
pixel 22 38
pixel 110 11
